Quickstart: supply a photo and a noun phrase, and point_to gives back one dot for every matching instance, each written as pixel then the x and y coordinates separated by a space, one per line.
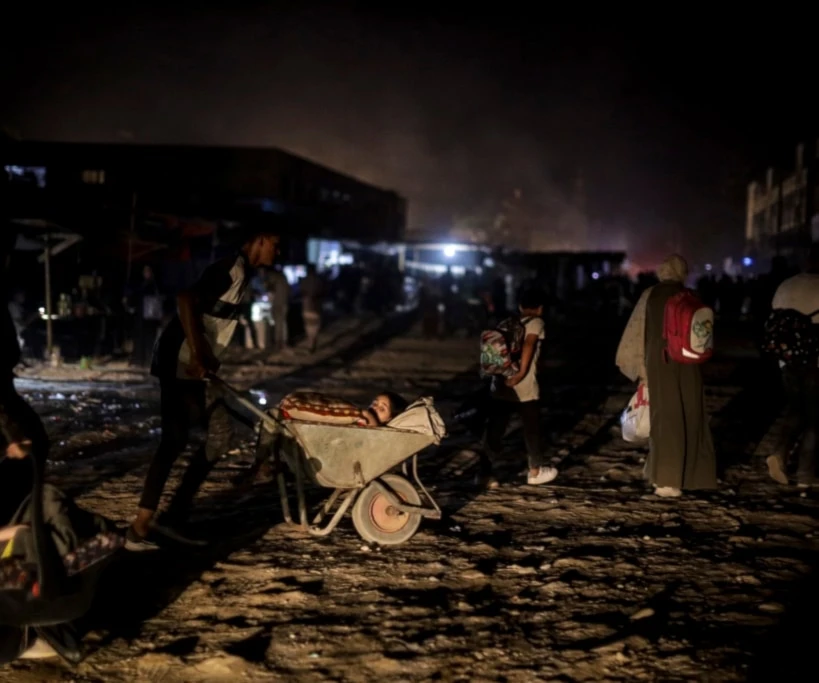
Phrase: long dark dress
pixel 682 451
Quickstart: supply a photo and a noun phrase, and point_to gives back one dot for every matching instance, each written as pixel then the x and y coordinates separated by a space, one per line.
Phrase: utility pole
pixel 810 191
pixel 49 321
pixel 131 230
pixel 780 212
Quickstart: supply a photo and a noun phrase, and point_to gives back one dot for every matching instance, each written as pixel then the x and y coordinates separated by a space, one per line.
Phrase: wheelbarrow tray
pixel 350 457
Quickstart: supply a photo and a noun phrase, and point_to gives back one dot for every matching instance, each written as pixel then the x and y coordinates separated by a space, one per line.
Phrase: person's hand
pixel 202 364
pixel 17 450
pixel 513 380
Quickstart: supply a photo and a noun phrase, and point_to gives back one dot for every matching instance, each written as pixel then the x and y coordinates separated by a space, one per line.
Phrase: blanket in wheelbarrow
pixel 314 407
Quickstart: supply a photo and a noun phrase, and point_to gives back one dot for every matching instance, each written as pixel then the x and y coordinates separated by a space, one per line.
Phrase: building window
pixel 27 174
pixel 759 225
pixel 93 177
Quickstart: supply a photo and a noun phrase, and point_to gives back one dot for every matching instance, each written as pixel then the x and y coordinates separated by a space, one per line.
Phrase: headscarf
pixel 673 269
pixel 631 352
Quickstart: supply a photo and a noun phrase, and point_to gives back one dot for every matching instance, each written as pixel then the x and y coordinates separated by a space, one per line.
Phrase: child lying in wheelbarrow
pixel 316 407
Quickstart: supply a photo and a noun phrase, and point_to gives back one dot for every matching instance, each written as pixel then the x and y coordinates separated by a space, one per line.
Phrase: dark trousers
pixel 801 420
pixel 12 643
pixel 184 405
pixel 144 340
pixel 498 420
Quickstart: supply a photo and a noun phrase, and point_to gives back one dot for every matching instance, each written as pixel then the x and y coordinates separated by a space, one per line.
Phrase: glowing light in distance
pixel 450 250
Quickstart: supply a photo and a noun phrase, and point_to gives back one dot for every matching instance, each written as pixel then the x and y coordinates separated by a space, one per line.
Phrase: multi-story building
pixel 781 210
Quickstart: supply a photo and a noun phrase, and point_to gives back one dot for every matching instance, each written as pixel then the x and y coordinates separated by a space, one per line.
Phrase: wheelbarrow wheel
pixel 377 521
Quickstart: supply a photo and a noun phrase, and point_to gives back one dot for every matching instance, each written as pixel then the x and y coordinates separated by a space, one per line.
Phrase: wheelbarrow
pixel 356 462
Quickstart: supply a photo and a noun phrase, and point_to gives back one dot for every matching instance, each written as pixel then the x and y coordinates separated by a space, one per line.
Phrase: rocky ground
pixel 591 578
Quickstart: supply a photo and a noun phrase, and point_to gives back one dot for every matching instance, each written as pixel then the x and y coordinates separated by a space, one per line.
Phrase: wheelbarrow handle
pixel 241 398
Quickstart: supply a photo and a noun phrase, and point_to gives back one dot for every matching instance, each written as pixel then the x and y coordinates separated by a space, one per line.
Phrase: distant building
pixel 93 188
pixel 781 218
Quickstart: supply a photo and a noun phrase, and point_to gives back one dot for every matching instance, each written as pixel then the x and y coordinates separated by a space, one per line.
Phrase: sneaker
pixel 169 532
pixel 775 470
pixel 486 480
pixel 40 650
pixel 544 476
pixel 667 492
pixel 136 543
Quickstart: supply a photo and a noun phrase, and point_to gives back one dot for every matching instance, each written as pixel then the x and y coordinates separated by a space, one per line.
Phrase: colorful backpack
pixel 791 337
pixel 688 329
pixel 501 348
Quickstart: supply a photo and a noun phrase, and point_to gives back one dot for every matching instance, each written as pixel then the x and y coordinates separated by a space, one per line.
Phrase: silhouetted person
pixel 148 313
pixel 311 288
pixel 801 383
pixel 278 289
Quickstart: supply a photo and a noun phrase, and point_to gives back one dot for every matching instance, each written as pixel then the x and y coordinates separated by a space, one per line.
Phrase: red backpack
pixel 688 329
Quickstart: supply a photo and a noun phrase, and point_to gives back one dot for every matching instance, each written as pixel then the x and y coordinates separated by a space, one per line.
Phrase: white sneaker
pixel 39 650
pixel 544 476
pixel 667 492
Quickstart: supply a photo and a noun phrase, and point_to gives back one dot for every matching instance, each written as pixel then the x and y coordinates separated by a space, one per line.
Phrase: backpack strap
pixel 50 569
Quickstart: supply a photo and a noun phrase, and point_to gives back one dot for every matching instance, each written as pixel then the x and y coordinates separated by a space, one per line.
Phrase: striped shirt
pixel 219 293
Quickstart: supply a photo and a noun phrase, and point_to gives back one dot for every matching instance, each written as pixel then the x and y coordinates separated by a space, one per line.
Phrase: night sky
pixel 666 118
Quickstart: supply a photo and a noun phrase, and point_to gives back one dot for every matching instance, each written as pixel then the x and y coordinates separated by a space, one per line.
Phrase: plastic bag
pixel 636 418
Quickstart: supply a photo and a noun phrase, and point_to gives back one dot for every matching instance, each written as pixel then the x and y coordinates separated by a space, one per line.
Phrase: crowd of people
pixel 188 351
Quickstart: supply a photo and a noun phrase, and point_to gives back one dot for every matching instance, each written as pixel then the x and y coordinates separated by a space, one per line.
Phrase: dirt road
pixel 588 579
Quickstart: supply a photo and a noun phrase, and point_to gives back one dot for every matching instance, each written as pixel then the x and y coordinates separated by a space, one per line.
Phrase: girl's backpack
pixel 501 348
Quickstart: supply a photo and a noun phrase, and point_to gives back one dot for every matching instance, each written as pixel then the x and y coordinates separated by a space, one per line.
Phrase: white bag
pixel 636 418
pixel 422 417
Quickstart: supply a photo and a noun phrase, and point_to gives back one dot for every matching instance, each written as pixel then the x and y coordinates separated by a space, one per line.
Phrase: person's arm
pixel 202 358
pixel 368 418
pixel 190 304
pixel 526 356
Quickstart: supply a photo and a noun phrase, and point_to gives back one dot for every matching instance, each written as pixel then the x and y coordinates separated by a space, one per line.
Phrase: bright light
pixel 262 401
pixel 747 261
pixel 595 276
pixel 708 267
pixel 450 250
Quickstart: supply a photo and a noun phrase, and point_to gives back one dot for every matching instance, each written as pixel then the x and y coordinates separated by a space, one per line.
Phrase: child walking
pixel 520 393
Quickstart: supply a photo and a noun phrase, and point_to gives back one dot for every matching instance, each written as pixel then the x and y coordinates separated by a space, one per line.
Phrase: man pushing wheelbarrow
pixel 188 350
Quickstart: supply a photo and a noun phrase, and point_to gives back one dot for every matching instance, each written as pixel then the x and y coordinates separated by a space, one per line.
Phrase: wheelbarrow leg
pixel 300 495
pixel 284 498
pixel 336 518
pixel 328 505
pixel 423 488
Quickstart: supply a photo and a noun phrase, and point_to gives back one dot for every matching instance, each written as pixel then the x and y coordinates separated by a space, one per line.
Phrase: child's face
pixel 382 408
